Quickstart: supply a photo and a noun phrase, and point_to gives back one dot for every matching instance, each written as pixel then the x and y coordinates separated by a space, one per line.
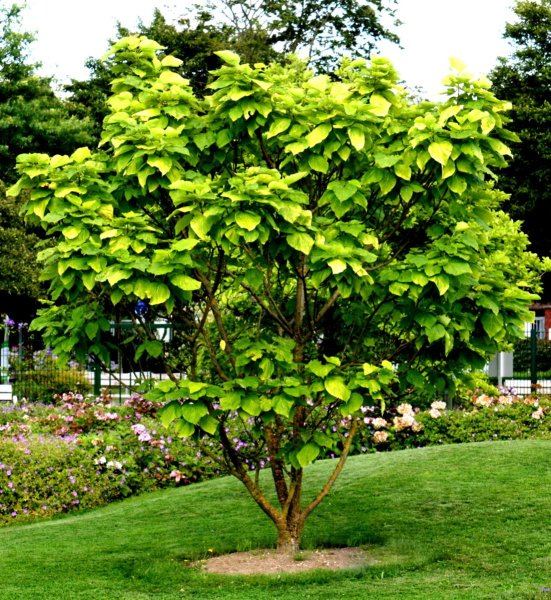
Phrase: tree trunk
pixel 289 535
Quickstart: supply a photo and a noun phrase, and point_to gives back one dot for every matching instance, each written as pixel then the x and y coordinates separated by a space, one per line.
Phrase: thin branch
pixel 327 306
pixel 336 472
pixel 264 150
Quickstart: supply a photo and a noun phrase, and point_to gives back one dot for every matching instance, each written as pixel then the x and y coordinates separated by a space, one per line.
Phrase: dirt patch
pixel 270 562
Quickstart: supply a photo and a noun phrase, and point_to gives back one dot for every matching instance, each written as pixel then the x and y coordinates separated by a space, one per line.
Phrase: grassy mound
pixel 463 521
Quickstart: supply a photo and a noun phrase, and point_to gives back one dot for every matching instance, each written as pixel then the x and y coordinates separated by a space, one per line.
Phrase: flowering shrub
pixel 504 416
pixel 82 453
pixel 44 475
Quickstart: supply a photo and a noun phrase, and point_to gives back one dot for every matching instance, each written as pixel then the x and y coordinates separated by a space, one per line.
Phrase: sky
pixel 70 31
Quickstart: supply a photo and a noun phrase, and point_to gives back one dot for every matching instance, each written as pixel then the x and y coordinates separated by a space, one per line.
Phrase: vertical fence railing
pixel 533 357
pixel 530 368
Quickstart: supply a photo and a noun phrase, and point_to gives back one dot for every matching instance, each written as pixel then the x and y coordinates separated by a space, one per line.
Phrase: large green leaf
pixel 247 220
pixel 337 266
pixel 163 163
pixel 492 323
pixel 336 386
pixel 318 163
pixel 251 405
pixel 441 151
pixel 192 412
pixel 184 282
pixel 230 58
pixel 457 267
pixel 183 428
pixel 357 137
pixel 170 412
pixel 208 424
pixel 301 242
pixel 318 134
pixel 342 189
pixel 278 126
pixel 308 454
pixel 283 405
pixel 457 184
pixel 379 105
pixel 436 332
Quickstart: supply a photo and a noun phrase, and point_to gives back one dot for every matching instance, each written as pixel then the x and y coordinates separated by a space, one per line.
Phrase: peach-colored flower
pixel 380 437
pixel 403 422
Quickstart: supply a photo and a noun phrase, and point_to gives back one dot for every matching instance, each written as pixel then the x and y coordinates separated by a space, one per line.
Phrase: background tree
pixel 321 245
pixel 524 78
pixel 20 286
pixel 320 31
pixel 32 119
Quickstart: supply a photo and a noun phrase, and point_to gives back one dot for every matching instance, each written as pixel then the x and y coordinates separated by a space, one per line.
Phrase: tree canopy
pixel 257 30
pixel 320 244
pixel 524 78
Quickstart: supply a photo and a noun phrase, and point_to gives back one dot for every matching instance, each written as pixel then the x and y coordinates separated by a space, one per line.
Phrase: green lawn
pixel 467 521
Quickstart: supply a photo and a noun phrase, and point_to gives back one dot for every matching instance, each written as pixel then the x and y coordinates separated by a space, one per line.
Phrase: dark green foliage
pixel 32 117
pixel 524 78
pixel 523 353
pixel 19 274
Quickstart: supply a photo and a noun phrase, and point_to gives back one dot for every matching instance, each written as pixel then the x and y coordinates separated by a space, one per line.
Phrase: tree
pixel 321 31
pixel 32 118
pixel 19 271
pixel 320 245
pixel 524 78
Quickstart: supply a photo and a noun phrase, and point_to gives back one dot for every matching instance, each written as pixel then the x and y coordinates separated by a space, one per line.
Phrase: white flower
pixel 438 405
pixel 538 414
pixel 405 409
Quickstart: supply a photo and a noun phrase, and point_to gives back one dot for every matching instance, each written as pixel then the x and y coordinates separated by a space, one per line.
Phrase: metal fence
pixel 528 368
pixel 37 375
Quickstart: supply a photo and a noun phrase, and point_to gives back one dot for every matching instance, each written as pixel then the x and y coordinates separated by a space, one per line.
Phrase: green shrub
pixel 520 419
pixel 44 475
pixel 39 376
pixel 523 353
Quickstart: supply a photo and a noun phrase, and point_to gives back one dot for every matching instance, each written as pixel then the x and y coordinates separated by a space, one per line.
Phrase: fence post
pixel 533 357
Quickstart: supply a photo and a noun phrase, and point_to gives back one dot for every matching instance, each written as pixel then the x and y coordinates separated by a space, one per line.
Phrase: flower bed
pixel 82 453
